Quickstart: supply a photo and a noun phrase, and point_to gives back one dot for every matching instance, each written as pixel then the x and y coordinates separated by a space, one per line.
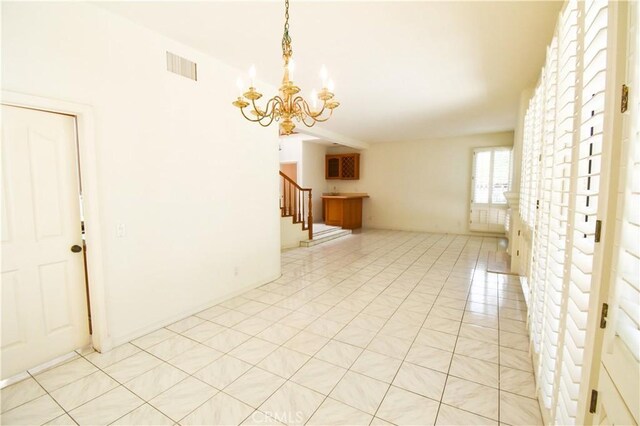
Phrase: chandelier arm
pixel 253 120
pixel 271 109
pixel 313 121
pixel 270 121
pixel 255 108
pixel 261 117
pixel 271 103
pixel 305 107
pixel 322 120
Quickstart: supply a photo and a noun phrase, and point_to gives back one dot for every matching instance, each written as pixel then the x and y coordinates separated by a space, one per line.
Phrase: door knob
pixel 76 248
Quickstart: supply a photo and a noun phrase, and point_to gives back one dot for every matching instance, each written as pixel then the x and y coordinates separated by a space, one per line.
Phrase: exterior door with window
pixel 490 180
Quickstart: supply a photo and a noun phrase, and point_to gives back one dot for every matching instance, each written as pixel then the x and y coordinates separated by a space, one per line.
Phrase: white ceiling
pixel 403 71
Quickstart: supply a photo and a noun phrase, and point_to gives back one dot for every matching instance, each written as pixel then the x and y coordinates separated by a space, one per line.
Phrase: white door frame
pixel 88 174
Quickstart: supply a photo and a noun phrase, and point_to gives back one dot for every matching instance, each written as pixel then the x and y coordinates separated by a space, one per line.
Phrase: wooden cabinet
pixel 342 166
pixel 343 210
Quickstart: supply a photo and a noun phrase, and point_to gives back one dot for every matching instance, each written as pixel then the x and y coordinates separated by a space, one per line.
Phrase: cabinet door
pixel 350 166
pixel 332 167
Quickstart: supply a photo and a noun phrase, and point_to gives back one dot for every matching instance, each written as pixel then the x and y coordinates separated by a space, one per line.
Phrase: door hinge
pixel 594 401
pixel 596 237
pixel 537 204
pixel 518 232
pixel 624 102
pixel 517 252
pixel 603 315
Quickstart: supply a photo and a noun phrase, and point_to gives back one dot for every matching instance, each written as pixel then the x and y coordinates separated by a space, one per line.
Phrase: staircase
pixel 295 202
pixel 323 233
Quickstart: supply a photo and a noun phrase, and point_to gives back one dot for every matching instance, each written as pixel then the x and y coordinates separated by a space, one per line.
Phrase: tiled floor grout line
pixel 329 267
pixel 446 379
pixel 416 336
pixel 364 349
pixel 55 400
pixel 281 345
pixel 343 327
pixel 255 365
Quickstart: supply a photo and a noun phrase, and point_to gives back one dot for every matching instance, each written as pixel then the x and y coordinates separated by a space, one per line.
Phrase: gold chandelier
pixel 288 105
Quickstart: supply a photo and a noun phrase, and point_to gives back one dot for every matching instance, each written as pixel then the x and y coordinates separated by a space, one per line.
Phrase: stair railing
pixel 295 202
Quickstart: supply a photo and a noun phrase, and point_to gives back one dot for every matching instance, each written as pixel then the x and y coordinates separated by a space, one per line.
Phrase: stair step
pixel 328 236
pixel 323 229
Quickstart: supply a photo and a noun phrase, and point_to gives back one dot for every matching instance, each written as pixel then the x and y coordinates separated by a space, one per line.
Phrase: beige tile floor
pixel 380 327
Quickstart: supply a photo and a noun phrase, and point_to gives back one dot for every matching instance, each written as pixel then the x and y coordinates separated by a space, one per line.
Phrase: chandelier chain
pixel 287 51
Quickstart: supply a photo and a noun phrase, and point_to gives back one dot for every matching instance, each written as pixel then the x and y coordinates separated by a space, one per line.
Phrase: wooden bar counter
pixel 344 210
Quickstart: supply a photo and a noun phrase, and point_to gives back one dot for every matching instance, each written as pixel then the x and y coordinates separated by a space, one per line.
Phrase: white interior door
pixel 44 305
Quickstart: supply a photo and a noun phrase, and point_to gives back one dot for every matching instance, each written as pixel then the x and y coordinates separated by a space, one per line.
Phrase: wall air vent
pixel 184 67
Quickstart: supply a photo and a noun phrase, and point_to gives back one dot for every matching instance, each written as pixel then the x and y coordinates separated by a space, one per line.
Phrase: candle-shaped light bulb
pixel 323 76
pixel 291 67
pixel 314 99
pixel 240 86
pixel 252 75
pixel 331 86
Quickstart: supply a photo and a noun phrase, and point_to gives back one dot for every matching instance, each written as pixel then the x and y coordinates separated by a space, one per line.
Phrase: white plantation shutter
pixel 547 351
pixel 501 175
pixel 625 313
pixel 536 311
pixel 534 163
pixel 559 192
pixel 525 167
pixel 589 150
pixel 559 204
pixel 481 177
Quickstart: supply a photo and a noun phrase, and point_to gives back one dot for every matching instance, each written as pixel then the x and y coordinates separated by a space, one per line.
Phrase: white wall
pixel 291 152
pixel 191 180
pixel 313 156
pixel 291 233
pixel 419 186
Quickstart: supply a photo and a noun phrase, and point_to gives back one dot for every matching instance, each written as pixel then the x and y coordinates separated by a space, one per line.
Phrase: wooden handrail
pixel 293 182
pixel 292 203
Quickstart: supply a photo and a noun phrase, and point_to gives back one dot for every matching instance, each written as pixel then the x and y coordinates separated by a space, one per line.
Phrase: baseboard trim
pixel 117 341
